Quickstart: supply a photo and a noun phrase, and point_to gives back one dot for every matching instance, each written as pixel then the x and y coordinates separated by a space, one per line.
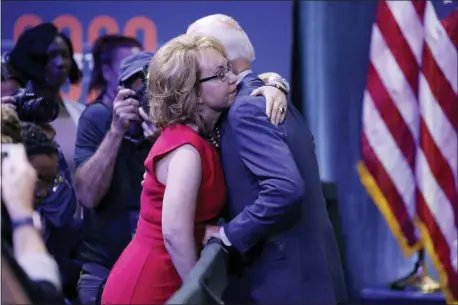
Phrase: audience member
pixel 107 54
pixel 43 57
pixel 109 155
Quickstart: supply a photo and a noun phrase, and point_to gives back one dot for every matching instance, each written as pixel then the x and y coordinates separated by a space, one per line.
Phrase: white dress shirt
pixel 242 75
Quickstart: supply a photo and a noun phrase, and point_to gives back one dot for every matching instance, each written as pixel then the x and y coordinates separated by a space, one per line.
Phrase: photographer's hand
pixel 125 111
pixel 9 101
pixel 147 125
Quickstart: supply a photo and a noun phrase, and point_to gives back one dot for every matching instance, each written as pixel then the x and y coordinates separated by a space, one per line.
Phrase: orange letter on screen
pixel 75 29
pixel 102 22
pixel 140 23
pixel 24 22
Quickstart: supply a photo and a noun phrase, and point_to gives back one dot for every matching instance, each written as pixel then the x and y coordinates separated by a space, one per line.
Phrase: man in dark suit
pixel 278 222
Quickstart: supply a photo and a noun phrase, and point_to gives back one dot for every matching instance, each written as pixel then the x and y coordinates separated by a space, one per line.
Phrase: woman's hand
pixel 276 103
pixel 18 181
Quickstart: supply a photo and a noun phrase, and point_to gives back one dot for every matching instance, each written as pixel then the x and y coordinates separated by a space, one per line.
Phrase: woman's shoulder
pixel 180 134
pixel 177 136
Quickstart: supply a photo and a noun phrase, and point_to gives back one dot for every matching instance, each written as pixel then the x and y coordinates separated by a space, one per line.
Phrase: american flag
pixel 410 122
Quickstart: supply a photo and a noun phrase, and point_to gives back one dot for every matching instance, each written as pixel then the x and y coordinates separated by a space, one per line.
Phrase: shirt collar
pixel 242 75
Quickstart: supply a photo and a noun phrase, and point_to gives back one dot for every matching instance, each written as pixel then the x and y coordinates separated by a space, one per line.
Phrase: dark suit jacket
pixel 278 218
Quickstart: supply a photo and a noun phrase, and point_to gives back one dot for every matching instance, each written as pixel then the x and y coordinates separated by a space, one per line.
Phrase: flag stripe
pixel 410 25
pixel 376 170
pixel 432 193
pixel 440 87
pixel 396 41
pixel 450 24
pixel 441 46
pixel 438 165
pixel 389 154
pixel 441 130
pixel 420 7
pixel 394 81
pixel 393 119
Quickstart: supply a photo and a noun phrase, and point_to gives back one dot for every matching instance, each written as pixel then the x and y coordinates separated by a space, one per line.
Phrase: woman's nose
pixel 232 78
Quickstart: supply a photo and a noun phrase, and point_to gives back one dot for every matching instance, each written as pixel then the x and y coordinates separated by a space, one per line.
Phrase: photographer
pixel 109 154
pixel 107 53
pixel 43 58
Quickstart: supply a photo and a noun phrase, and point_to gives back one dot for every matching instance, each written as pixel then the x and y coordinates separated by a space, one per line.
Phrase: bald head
pixel 228 32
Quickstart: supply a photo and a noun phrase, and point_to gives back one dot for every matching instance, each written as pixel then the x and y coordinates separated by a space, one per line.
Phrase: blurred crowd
pixel 49 134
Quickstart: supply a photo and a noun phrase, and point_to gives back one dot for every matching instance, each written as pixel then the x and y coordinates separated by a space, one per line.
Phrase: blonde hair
pixel 229 32
pixel 173 80
pixel 11 126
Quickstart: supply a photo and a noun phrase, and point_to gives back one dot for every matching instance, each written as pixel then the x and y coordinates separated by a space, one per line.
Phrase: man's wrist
pixel 279 81
pixel 116 132
pixel 278 86
pixel 224 237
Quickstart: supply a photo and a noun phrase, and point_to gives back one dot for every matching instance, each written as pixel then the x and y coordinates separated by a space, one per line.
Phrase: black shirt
pixel 108 227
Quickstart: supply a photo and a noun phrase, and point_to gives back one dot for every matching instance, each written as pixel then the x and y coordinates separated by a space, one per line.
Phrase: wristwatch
pixel 33 221
pixel 281 80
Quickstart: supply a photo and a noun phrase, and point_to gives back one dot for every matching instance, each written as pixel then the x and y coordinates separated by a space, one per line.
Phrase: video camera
pixel 36 109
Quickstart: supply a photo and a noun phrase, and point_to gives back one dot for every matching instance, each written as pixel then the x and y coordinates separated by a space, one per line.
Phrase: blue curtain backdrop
pixel 335 45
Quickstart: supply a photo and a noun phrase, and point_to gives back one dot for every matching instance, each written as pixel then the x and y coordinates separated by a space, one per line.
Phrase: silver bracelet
pixel 280 80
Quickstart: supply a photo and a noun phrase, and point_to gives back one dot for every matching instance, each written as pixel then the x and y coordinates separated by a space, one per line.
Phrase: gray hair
pixel 228 32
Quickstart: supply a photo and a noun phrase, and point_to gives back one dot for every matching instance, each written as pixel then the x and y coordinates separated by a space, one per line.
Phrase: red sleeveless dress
pixel 144 273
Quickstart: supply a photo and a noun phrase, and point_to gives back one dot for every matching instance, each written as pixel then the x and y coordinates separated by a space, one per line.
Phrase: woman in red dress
pixel 190 84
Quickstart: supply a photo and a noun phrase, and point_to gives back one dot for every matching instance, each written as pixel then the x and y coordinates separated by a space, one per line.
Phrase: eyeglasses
pixel 222 74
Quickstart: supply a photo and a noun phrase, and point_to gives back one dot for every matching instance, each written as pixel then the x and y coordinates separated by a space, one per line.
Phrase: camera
pixel 36 109
pixel 141 96
pixel 135 133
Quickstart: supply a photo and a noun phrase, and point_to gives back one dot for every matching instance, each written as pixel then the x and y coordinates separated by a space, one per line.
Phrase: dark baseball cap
pixel 133 64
